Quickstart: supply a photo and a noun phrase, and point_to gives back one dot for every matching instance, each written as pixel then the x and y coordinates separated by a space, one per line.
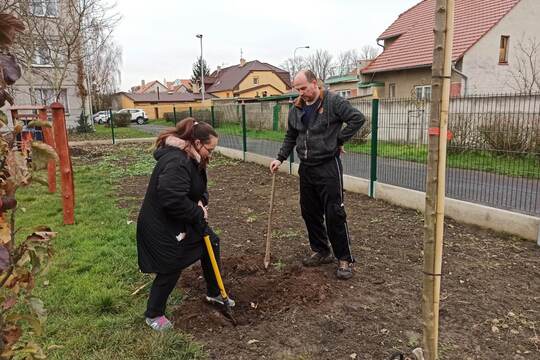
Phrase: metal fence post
pixel 190 111
pixel 374 133
pixel 244 131
pixel 275 123
pixel 213 116
pixel 111 122
pixel 174 114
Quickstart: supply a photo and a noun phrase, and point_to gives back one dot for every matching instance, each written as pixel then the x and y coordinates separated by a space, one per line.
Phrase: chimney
pixel 195 87
pixel 218 70
pixel 165 82
pixel 242 62
pixel 142 82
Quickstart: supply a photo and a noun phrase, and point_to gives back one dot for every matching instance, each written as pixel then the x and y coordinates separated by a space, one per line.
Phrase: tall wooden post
pixel 436 168
pixel 49 140
pixel 66 169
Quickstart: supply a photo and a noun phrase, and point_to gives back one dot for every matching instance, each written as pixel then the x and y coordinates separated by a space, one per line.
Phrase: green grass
pixel 526 166
pixel 91 312
pixel 104 133
pixel 161 122
pixel 235 129
pixel 489 161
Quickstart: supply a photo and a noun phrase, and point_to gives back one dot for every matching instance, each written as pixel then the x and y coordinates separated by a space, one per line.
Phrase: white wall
pixel 481 62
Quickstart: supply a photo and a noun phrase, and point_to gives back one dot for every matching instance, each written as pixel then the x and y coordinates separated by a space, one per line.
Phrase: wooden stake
pixel 269 229
pixel 66 169
pixel 48 137
pixel 436 172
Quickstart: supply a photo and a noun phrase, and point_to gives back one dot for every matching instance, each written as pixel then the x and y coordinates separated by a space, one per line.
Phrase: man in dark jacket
pixel 315 127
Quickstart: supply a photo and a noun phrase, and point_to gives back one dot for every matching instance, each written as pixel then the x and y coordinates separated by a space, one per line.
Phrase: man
pixel 315 128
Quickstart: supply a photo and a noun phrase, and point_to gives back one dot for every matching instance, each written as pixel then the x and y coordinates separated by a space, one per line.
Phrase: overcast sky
pixel 158 36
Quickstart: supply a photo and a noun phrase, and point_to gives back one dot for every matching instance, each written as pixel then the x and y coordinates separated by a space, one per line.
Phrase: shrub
pixel 361 137
pixel 506 135
pixel 122 119
pixel 169 116
pixel 464 133
pixel 83 125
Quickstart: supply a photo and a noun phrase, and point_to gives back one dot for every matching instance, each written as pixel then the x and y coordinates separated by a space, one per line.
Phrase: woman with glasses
pixel 172 219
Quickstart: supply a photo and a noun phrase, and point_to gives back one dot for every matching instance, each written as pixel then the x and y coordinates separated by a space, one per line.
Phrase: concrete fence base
pixel 524 226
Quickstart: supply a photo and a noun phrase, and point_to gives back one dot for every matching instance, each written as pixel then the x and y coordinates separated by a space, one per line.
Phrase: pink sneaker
pixel 160 323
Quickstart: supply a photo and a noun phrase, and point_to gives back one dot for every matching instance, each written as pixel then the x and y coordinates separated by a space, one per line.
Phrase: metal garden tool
pixel 269 230
pixel 226 309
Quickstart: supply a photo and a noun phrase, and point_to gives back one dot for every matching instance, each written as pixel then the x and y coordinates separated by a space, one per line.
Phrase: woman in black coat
pixel 172 219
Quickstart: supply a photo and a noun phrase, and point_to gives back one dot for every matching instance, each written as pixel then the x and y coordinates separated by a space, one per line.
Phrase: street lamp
pixel 294 60
pixel 202 69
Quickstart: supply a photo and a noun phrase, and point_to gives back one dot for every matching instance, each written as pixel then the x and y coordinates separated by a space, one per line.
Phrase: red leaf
pixel 9 302
pixel 10 335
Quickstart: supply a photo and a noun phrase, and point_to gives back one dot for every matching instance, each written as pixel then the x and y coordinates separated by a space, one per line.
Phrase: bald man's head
pixel 305 82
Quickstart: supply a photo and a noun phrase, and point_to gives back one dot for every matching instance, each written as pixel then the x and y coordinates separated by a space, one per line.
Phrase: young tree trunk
pixel 436 164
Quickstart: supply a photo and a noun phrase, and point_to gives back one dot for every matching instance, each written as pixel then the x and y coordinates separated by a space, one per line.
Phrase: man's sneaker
pixel 219 300
pixel 344 270
pixel 317 259
pixel 160 323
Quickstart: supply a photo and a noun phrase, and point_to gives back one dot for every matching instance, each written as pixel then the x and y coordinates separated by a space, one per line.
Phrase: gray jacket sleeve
pixel 290 140
pixel 350 116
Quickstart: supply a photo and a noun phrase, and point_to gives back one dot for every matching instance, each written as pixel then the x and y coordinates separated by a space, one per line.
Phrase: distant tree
pixel 196 76
pixel 320 63
pixel 368 52
pixel 294 65
pixel 347 61
pixel 525 73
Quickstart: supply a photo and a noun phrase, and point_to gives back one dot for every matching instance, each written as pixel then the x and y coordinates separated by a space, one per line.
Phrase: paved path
pixel 504 192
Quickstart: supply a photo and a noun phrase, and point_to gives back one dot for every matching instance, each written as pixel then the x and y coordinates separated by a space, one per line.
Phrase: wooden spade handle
pixel 269 229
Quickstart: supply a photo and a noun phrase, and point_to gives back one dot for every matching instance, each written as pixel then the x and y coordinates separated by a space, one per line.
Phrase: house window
pixel 392 90
pixel 345 93
pixel 48 96
pixel 42 56
pixel 255 81
pixel 44 7
pixel 423 92
pixel 503 49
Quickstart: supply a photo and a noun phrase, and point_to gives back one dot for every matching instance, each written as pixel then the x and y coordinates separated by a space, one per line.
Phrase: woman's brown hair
pixel 189 130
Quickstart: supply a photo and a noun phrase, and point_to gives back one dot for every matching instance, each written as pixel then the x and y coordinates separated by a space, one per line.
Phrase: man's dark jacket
pixel 170 208
pixel 320 141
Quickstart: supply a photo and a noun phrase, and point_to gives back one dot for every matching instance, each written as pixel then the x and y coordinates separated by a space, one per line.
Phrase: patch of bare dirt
pixel 490 305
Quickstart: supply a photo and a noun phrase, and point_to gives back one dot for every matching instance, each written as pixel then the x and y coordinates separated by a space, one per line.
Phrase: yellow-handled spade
pixel 226 308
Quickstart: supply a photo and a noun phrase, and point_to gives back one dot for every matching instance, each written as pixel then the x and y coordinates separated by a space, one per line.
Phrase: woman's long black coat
pixel 170 208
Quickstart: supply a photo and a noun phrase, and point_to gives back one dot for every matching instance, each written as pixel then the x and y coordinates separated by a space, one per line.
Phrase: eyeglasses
pixel 207 148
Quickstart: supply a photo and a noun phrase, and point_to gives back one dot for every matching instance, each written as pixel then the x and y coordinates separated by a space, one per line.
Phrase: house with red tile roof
pixel 486 56
pixel 151 87
pixel 179 85
pixel 248 79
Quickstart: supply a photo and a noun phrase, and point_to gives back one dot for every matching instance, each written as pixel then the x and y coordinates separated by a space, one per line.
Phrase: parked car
pixel 101 117
pixel 137 115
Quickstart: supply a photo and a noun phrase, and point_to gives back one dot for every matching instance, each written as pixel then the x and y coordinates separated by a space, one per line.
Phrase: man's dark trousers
pixel 321 202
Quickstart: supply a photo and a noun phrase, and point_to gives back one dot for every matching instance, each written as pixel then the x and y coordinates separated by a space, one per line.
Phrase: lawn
pixel 488 161
pixel 91 312
pixel 104 133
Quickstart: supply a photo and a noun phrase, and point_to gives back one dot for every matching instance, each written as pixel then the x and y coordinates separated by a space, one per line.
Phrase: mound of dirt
pixel 260 294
